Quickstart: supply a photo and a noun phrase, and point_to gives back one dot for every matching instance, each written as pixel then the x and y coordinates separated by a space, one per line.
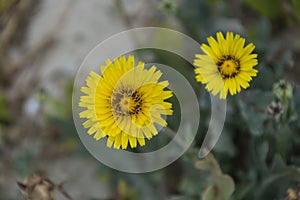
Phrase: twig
pixel 59 187
pixel 63 192
pixel 38 186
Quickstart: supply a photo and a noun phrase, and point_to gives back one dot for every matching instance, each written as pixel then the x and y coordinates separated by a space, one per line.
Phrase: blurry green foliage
pixel 278 178
pixel 5 115
pixel 24 161
pixel 5 5
pixel 296 6
pixel 222 185
pixel 69 141
pixel 189 186
pixel 127 192
pixel 268 8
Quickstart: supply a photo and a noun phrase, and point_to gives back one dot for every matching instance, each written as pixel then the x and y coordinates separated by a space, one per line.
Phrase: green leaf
pixel 193 184
pixel 222 188
pixel 279 178
pixel 243 190
pixel 209 163
pixel 262 150
pixel 222 185
pixel 210 193
pixel 280 170
pixel 225 184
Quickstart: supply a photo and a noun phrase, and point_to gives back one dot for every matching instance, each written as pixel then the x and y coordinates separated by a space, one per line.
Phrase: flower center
pixel 135 103
pixel 228 67
pixel 125 103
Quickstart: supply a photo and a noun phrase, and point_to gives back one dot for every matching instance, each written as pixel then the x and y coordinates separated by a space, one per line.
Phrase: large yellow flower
pixel 226 65
pixel 124 103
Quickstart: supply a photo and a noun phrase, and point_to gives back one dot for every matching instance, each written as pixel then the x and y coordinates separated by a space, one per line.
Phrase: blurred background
pixel 42 44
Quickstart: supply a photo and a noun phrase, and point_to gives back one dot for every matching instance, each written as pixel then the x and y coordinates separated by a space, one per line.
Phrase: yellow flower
pixel 226 65
pixel 124 102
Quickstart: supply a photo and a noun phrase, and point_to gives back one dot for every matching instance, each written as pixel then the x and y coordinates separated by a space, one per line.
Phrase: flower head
pixel 283 90
pixel 226 65
pixel 124 103
pixel 275 109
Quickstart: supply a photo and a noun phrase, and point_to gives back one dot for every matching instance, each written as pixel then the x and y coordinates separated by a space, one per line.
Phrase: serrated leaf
pixel 222 185
pixel 210 193
pixel 222 188
pixel 225 185
pixel 209 163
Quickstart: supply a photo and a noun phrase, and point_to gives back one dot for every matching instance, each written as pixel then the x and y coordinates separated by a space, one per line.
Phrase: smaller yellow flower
pixel 226 65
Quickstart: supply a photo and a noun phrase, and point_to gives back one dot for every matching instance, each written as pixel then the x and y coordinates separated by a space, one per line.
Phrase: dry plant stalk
pixel 293 194
pixel 40 188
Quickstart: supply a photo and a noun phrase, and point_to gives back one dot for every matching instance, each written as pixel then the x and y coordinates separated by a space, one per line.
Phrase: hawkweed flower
pixel 125 103
pixel 275 109
pixel 226 64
